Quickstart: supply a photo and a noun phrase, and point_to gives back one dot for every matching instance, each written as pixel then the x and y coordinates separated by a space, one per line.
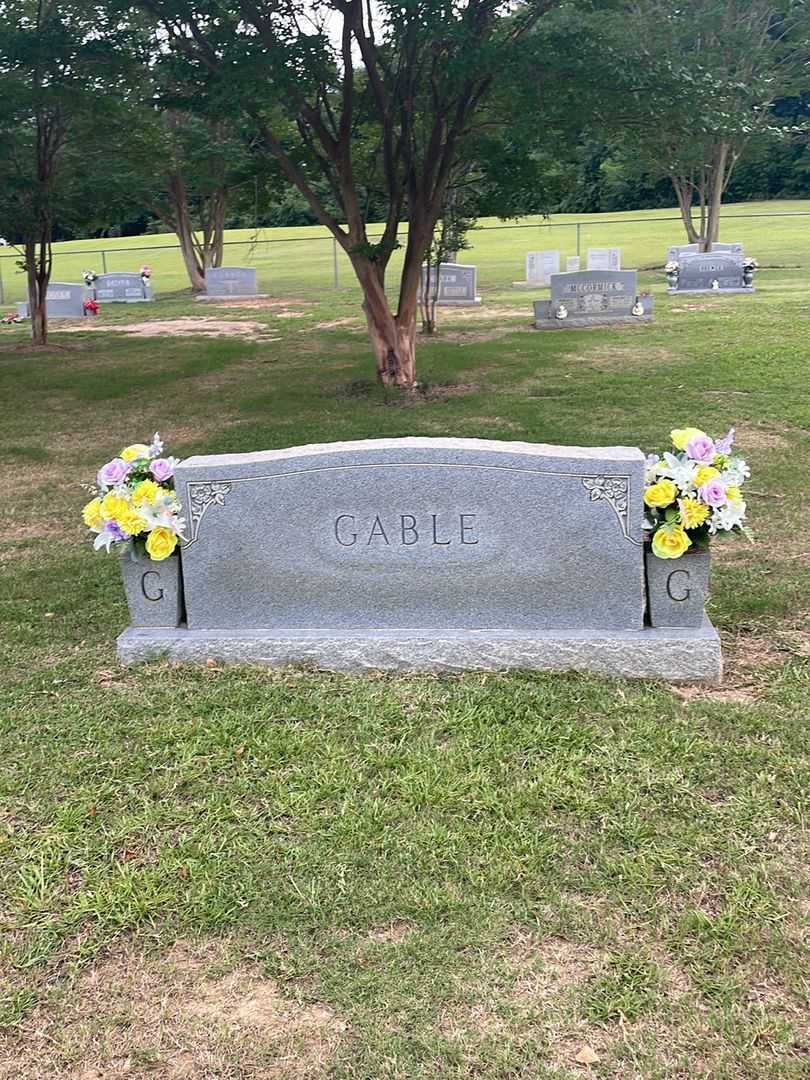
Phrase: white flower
pixel 650 465
pixel 725 518
pixel 682 473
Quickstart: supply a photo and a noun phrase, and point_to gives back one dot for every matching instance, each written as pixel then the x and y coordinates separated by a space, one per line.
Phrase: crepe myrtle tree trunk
pixel 38 262
pixel 392 334
pixel 684 191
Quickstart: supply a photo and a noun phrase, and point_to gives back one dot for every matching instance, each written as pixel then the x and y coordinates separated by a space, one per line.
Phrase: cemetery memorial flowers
pixel 135 507
pixel 694 493
pixel 146 274
pixel 90 277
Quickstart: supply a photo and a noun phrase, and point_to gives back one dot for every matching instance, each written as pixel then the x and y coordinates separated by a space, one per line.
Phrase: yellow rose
pixel 91 515
pixel 114 506
pixel 137 450
pixel 160 543
pixel 680 437
pixel 733 494
pixel 131 522
pixel 145 492
pixel 670 542
pixel 661 494
pixel 693 513
pixel 704 474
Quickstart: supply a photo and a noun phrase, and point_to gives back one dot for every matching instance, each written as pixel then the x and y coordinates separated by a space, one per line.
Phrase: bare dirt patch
pixel 333 324
pixel 186 326
pixel 175 1016
pixel 264 302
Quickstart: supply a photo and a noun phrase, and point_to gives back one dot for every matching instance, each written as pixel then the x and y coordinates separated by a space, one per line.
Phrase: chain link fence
pixel 308 265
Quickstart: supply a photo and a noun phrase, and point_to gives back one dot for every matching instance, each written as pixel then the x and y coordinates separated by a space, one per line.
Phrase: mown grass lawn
pixel 228 873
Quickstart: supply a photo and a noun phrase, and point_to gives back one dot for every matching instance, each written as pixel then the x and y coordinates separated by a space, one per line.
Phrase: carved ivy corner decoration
pixel 200 497
pixel 614 491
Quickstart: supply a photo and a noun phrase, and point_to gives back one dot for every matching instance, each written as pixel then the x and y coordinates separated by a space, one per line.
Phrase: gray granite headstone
pixel 540 265
pixel 698 272
pixel 65 300
pixel 592 297
pixel 121 289
pixel 572 263
pixel 416 534
pixel 457 284
pixel 604 258
pixel 231 281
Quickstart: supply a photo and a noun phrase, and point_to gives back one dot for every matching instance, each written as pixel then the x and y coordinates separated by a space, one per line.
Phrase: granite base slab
pixel 459 303
pixel 579 324
pixel 676 655
pixel 714 292
pixel 203 298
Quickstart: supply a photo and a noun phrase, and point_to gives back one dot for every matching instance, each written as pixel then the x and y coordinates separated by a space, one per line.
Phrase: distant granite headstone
pixel 572 263
pixel 421 554
pixel 604 259
pixel 711 271
pixel 588 297
pixel 540 265
pixel 122 289
pixel 63 300
pixel 230 281
pixel 457 284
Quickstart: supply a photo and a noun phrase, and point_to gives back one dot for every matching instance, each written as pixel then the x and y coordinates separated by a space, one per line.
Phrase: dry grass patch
pixel 186 326
pixel 172 1016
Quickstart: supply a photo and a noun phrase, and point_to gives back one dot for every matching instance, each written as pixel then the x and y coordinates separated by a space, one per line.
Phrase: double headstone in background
pixel 235 281
pixel 121 289
pixel 591 297
pixel 63 300
pixel 540 265
pixel 419 554
pixel 457 285
pixel 677 251
pixel 604 259
pixel 699 272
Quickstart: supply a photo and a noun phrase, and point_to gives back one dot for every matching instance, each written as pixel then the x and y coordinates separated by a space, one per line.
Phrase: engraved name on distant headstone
pixel 457 284
pixel 231 281
pixel 124 288
pixel 699 272
pixel 540 265
pixel 604 258
pixel 420 533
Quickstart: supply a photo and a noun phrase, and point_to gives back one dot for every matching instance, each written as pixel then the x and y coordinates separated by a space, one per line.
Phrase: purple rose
pixel 161 468
pixel 701 448
pixel 113 473
pixel 713 492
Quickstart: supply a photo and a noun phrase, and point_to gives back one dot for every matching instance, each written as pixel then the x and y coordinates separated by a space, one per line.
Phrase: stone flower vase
pixel 748 277
pixel 677 588
pixel 154 590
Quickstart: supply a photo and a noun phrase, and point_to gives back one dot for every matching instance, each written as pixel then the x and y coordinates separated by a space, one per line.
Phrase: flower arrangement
pixel 695 493
pixel 90 307
pixel 750 263
pixel 90 277
pixel 135 507
pixel 146 274
pixel 672 270
pixel 11 318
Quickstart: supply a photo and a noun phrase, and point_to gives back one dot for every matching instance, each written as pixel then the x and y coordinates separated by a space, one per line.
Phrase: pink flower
pixel 713 492
pixel 113 473
pixel 701 448
pixel 162 469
